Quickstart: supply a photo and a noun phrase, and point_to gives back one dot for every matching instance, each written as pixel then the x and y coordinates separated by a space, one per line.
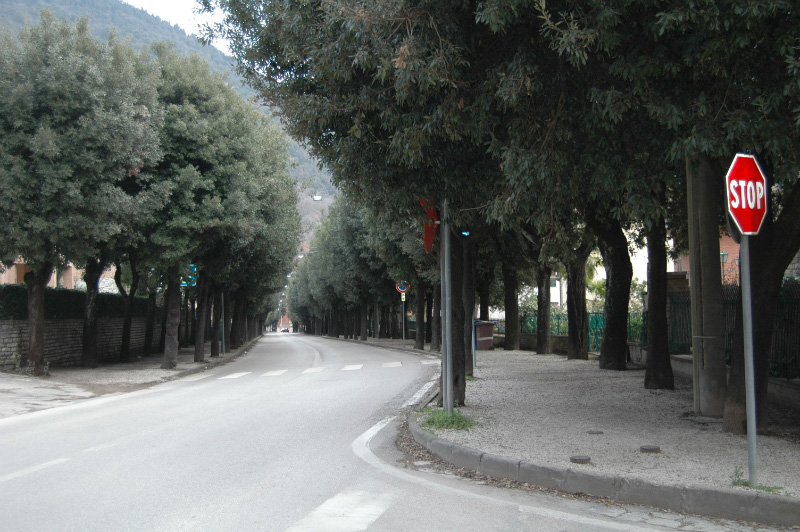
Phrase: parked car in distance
pixel 284 330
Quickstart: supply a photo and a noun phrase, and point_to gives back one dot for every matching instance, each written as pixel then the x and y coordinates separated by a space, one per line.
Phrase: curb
pixel 764 508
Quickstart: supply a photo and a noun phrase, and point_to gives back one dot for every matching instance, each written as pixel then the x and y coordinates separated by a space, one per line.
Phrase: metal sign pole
pixel 403 321
pixel 749 373
pixel 448 336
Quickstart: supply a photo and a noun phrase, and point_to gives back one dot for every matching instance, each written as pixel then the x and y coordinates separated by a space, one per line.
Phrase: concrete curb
pixel 754 506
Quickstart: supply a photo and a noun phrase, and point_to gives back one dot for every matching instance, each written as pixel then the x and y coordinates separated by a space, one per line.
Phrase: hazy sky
pixel 180 12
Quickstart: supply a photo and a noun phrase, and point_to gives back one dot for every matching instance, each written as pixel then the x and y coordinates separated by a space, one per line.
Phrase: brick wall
pixel 64 340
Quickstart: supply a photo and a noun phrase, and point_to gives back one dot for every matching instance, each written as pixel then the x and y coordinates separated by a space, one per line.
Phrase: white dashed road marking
pixel 392 364
pixel 313 370
pixel 192 378
pixel 275 373
pixel 353 367
pixel 348 511
pixel 236 375
pixel 33 469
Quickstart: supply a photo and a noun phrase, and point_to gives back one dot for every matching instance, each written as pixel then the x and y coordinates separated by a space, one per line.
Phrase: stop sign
pixel 747 193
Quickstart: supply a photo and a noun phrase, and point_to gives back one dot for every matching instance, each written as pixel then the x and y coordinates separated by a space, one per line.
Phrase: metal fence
pixel 637 326
pixel 784 359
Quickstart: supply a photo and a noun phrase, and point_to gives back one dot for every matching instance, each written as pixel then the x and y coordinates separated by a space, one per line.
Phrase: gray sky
pixel 180 12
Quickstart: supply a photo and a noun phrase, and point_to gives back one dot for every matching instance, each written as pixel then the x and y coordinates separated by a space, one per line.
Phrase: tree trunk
pixel 162 340
pixel 577 317
pixel 184 326
pixel 150 323
pixel 127 300
pixel 436 319
pixel 619 272
pixel 37 285
pixel 543 335
pixel 419 336
pixel 484 285
pixel 216 318
pixel 172 306
pixel 708 318
pixel 363 325
pixel 428 315
pixel 202 317
pixel 238 327
pixel 459 349
pixel 227 322
pixel 510 290
pixel 468 302
pixel 94 269
pixel 658 374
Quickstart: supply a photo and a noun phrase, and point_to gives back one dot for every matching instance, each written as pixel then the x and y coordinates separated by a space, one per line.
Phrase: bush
pixel 13 302
pixel 60 303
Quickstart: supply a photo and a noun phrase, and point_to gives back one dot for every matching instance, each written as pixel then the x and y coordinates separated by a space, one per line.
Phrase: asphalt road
pixel 296 435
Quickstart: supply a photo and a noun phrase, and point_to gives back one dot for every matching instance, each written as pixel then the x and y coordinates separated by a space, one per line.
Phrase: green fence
pixel 637 326
pixel 784 362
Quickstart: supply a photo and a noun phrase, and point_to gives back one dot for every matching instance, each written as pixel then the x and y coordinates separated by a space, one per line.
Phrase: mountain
pixel 142 29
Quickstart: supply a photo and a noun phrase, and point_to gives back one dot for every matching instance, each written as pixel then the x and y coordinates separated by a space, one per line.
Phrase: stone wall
pixel 64 340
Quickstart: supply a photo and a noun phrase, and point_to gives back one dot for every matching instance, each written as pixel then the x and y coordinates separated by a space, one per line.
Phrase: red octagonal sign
pixel 746 187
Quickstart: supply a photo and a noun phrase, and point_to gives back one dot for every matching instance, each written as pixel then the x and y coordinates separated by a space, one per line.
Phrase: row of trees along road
pixel 144 160
pixel 557 122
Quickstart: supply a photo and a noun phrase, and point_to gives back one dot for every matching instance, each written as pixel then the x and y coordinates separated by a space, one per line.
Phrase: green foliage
pixel 439 419
pixel 79 121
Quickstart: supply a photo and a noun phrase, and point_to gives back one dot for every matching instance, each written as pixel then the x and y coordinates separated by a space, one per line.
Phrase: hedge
pixel 60 303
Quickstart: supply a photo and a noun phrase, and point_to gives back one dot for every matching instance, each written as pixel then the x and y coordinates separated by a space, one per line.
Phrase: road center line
pixel 33 469
pixel 275 373
pixel 353 367
pixel 236 375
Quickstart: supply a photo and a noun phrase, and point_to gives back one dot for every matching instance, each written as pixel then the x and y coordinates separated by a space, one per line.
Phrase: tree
pixel 79 119
pixel 226 172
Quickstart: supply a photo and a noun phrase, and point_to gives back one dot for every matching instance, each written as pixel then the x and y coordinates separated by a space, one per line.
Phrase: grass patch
pixel 737 479
pixel 439 419
pixel 470 378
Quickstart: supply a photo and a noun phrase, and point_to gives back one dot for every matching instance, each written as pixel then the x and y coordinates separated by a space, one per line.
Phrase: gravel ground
pixel 540 408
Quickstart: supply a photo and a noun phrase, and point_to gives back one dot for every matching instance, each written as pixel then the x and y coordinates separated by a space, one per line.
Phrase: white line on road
pixel 192 378
pixel 422 391
pixel 236 375
pixel 275 373
pixel 349 510
pixel 353 367
pixel 392 364
pixel 430 362
pixel 313 370
pixel 33 469
pixel 361 448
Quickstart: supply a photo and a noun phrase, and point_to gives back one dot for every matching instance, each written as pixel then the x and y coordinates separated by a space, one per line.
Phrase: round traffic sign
pixel 402 287
pixel 746 187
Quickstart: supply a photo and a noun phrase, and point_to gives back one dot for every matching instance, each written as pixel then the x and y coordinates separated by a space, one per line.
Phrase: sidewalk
pixel 20 394
pixel 534 413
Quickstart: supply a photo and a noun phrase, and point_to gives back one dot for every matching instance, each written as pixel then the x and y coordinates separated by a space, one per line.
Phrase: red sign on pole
pixel 746 187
